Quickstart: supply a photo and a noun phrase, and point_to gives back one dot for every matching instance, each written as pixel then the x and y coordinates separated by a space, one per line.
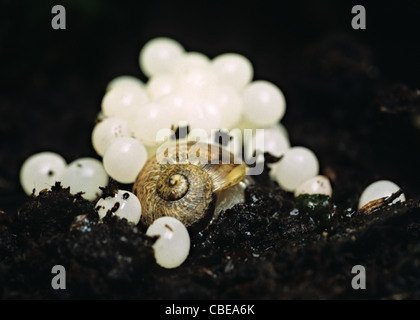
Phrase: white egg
pixel 247 127
pixel 178 105
pixel 124 81
pixel 316 185
pixel 160 85
pixel 233 69
pixel 379 189
pixel 85 175
pixel 196 81
pixel 279 126
pixel 172 247
pixel 41 171
pixel 188 60
pixel 107 131
pixel 297 165
pixel 203 114
pixel 122 102
pixel 229 102
pixel 147 121
pixel 264 103
pixel 159 56
pixel 123 204
pixel 124 158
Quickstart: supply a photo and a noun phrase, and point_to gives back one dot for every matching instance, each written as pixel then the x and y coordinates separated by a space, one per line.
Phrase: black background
pixel 52 81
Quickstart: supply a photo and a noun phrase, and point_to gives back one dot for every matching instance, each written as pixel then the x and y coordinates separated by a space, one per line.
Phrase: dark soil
pixel 352 97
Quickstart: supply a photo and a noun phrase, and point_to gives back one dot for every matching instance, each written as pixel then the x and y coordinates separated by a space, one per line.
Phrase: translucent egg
pixel 190 59
pixel 297 165
pixel 124 158
pixel 233 69
pixel 204 114
pixel 230 104
pixel 123 101
pixel 279 126
pixel 149 120
pixel 172 247
pixel 41 171
pixel 159 56
pixel 107 131
pixel 124 81
pixel 85 175
pixel 177 105
pixel 196 81
pixel 160 86
pixel 123 204
pixel 379 189
pixel 276 142
pixel 315 185
pixel 247 126
pixel 264 103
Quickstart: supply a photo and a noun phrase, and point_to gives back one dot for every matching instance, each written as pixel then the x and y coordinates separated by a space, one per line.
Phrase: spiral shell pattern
pixel 183 180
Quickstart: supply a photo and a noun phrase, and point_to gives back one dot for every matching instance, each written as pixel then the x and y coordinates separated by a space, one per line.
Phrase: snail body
pixel 183 181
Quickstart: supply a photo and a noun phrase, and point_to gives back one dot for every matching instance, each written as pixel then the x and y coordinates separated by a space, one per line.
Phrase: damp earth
pixel 346 102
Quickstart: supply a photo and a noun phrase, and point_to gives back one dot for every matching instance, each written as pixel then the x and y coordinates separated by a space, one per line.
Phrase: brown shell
pixel 182 181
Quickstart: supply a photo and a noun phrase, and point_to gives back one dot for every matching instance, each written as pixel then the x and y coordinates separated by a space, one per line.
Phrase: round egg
pixel 85 175
pixel 123 204
pixel 41 171
pixel 173 243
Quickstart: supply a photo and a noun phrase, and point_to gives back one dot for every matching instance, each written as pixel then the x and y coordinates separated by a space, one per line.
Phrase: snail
pixel 184 180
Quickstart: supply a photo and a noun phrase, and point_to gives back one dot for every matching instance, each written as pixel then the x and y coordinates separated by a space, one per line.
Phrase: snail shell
pixel 186 186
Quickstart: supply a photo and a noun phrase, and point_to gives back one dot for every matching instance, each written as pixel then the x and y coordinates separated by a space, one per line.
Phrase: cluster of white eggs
pixel 298 168
pixel 183 89
pixel 41 171
pixel 209 95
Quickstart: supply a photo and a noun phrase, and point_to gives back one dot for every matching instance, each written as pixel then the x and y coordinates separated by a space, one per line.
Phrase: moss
pixel 318 207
